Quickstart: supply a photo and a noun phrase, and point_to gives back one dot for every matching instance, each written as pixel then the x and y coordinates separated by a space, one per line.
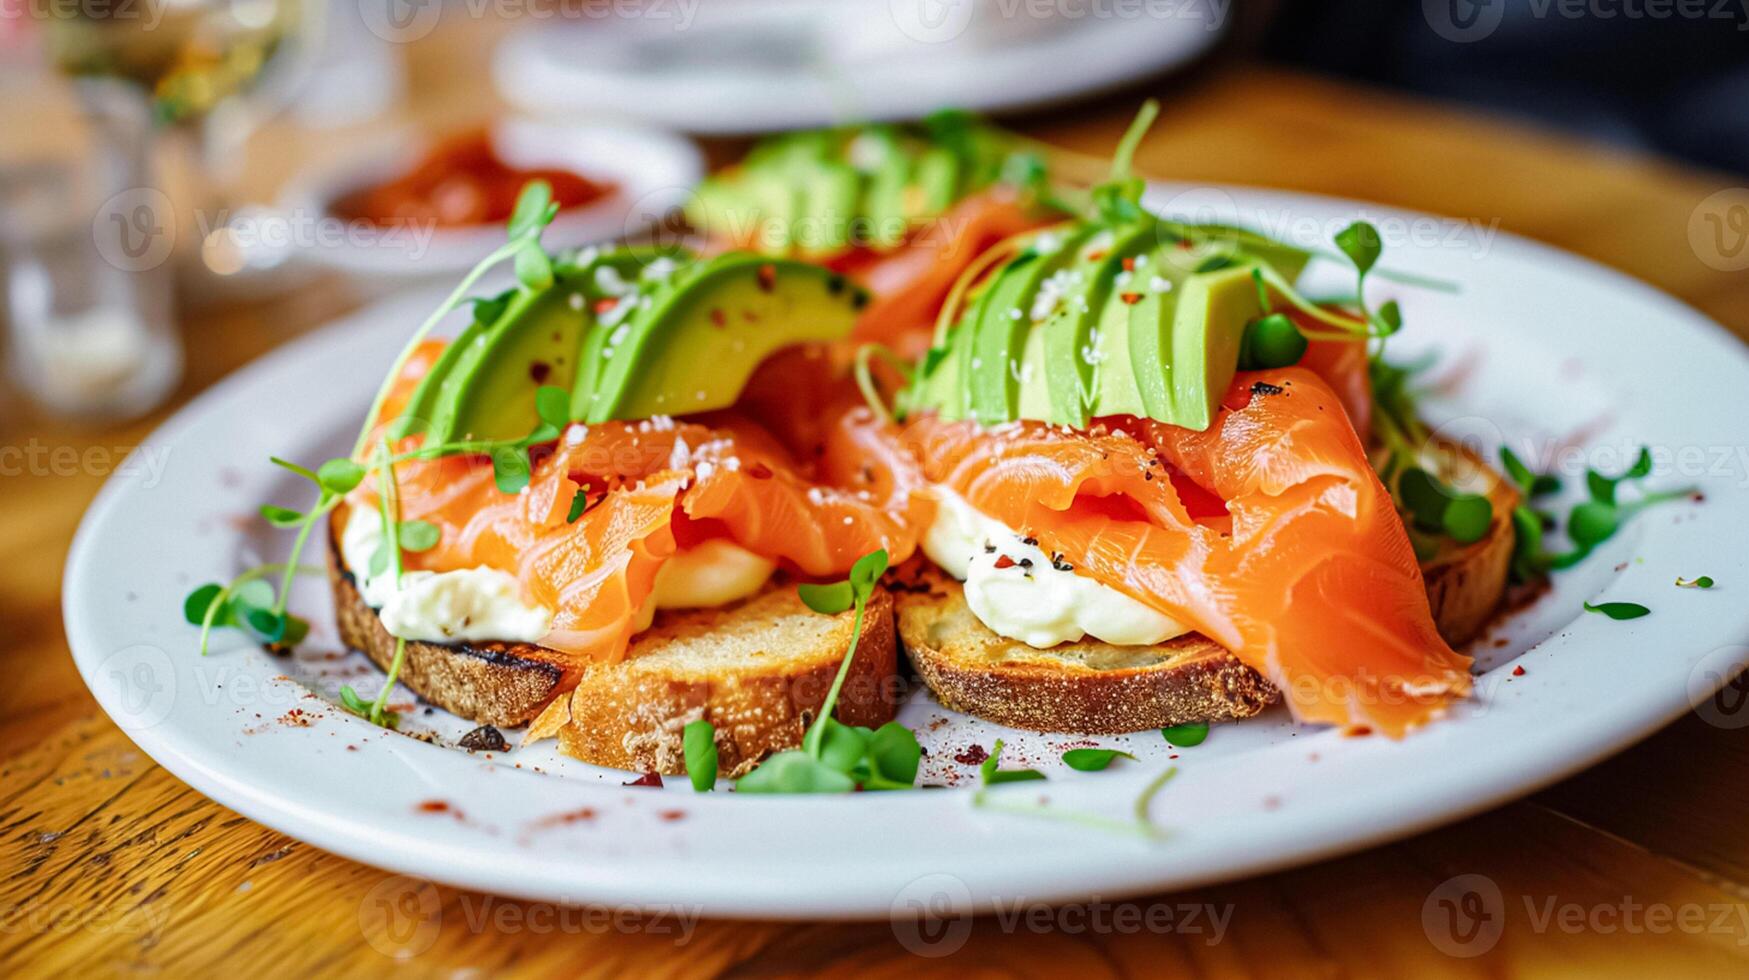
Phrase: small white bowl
pixel 651 172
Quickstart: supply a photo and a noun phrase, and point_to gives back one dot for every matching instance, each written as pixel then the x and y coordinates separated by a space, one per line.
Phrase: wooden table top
pixel 1638 866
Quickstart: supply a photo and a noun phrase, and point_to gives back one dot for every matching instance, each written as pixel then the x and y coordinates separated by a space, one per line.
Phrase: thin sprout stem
pixel 456 296
pixel 382 700
pixel 816 731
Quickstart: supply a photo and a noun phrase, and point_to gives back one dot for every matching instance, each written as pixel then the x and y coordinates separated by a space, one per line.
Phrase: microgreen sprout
pixel 1619 610
pixel 835 757
pixel 698 742
pixel 1093 760
pixel 1589 523
pixel 1703 582
pixel 1187 735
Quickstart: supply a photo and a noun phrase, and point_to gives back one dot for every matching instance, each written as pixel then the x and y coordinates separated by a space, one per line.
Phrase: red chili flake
pixel 538 371
pixel 1096 256
pixel 434 806
pixel 651 778
pixel 604 304
pixel 767 277
pixel 1129 263
pixel 718 318
pixel 1130 299
pixel 1003 561
pixel 672 815
pixel 972 757
pixel 1184 244
pixel 1518 671
pixel 759 471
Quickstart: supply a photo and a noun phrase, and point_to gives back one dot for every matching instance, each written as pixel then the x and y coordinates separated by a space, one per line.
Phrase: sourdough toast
pixel 1096 688
pixel 758 670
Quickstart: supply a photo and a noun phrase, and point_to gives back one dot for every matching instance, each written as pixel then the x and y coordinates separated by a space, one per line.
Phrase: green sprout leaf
pixel 1360 241
pixel 553 405
pixel 794 771
pixel 828 600
pixel 419 535
pixel 1592 523
pixel 989 775
pixel 1703 582
pixel 1467 518
pixel 1093 760
pixel 867 572
pixel 895 754
pixel 533 209
pixel 1619 610
pixel 1389 318
pixel 339 476
pixel 1271 341
pixel 194 608
pixel 282 517
pixel 1186 736
pixel 579 504
pixel 699 743
pixel 510 469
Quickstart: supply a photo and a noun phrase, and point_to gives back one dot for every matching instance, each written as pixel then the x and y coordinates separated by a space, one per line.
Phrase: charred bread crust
pixel 1086 687
pixel 492 683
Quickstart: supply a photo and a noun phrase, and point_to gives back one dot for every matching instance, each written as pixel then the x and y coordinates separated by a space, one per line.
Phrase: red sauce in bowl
pixel 462 181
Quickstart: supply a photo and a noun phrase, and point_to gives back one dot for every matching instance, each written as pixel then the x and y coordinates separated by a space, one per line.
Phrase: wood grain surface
pixel 1638 867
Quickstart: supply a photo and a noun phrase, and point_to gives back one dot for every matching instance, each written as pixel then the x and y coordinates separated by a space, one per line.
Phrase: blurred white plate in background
pixel 788 64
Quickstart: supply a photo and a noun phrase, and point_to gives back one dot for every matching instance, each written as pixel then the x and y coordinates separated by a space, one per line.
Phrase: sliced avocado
pixel 1069 373
pixel 879 152
pixel 1184 342
pixel 416 417
pixel 935 184
pixel 488 390
pixel 830 195
pixel 694 347
pixel 1005 323
pixel 613 298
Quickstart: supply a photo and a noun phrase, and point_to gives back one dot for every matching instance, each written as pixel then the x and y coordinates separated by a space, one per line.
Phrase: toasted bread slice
pixel 1087 686
pixel 1465 581
pixel 1099 689
pixel 758 670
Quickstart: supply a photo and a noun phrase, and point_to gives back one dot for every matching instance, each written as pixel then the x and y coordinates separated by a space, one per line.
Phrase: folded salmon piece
pixel 1268 532
pixel 804 475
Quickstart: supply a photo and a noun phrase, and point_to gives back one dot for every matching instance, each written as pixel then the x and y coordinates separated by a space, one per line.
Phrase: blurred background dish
pixel 415 207
pixel 761 65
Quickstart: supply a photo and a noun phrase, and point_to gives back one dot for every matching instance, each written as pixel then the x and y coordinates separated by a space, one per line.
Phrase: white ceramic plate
pixel 1539 346
pixel 652 171
pixel 761 65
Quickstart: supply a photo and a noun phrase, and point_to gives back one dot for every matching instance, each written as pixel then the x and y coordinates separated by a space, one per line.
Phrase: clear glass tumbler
pixel 85 244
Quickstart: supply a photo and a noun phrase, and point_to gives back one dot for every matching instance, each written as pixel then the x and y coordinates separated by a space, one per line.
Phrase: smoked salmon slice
pixel 654 486
pixel 1308 576
pixel 910 283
